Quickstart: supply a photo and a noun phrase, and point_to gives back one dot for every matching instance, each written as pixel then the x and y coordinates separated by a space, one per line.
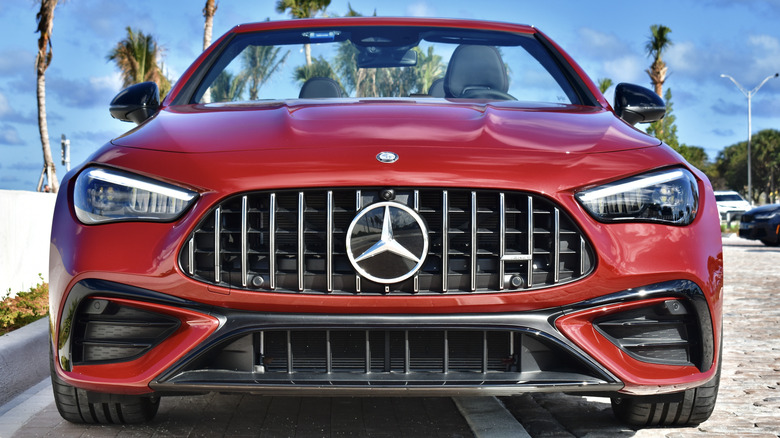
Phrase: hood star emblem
pixel 387 242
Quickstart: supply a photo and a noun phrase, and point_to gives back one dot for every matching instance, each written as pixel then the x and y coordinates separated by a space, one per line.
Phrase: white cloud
pixel 9 136
pixel 88 92
pixel 684 57
pixel 420 9
pixel 595 42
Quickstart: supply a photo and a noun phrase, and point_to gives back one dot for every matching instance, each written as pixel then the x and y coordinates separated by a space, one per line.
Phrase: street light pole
pixel 749 95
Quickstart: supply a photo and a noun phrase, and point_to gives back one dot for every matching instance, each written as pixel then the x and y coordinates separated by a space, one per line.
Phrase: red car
pixel 386 206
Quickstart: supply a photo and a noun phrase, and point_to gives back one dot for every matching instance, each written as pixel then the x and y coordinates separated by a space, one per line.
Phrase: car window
pixel 385 62
pixel 728 198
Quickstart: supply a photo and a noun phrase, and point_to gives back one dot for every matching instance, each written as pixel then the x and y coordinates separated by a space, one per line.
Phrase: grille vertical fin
pixel 244 243
pixel 480 241
pixel 272 241
pixel 445 240
pixel 474 245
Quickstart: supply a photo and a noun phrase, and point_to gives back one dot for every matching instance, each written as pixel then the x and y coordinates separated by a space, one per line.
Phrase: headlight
pixel 107 195
pixel 765 215
pixel 669 196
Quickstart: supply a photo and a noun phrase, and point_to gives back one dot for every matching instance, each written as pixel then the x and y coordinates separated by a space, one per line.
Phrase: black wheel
pixel 74 405
pixel 770 243
pixel 687 408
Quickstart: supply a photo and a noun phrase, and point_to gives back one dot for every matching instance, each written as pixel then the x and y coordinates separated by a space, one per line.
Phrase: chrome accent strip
pixel 217 230
pixel 328 353
pixel 272 241
pixel 416 206
pixel 289 352
pixel 191 254
pixel 511 343
pixel 243 240
pixel 301 246
pixel 261 353
pixel 358 207
pixel 446 367
pixel 473 272
pixel 516 257
pixel 368 352
pixel 557 245
pixel 329 242
pixel 530 279
pixel 582 255
pixel 445 240
pixel 501 240
pixel 484 352
pixel 407 353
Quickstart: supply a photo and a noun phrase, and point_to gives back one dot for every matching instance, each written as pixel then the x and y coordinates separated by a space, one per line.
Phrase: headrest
pixel 319 87
pixel 475 67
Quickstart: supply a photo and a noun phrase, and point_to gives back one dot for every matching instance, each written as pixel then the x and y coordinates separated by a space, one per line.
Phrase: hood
pixel 769 208
pixel 351 123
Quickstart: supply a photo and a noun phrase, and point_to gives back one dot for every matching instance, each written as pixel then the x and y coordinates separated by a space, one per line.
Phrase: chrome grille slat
pixel 272 241
pixel 217 246
pixel 474 246
pixel 530 267
pixel 329 241
pixel 294 241
pixel 244 243
pixel 445 239
pixel 301 243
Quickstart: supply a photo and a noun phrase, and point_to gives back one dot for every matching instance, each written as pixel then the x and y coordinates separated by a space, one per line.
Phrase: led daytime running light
pixel 594 195
pixel 120 180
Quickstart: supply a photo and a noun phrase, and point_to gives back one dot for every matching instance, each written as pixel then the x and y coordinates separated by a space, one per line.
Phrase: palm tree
pixel 260 62
pixel 658 43
pixel 45 19
pixel 429 68
pixel 228 88
pixel 302 9
pixel 137 57
pixel 604 84
pixel 208 11
pixel 319 68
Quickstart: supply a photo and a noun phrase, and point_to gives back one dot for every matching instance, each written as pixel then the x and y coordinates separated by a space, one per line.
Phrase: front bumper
pixel 212 348
pixel 760 230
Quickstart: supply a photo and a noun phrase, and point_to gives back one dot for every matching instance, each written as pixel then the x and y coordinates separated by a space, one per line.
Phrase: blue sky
pixel 607 38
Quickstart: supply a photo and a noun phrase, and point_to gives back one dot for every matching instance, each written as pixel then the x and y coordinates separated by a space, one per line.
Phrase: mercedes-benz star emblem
pixel 387 157
pixel 387 242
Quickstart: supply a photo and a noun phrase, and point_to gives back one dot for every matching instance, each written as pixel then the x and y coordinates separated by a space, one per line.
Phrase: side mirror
pixel 636 104
pixel 136 103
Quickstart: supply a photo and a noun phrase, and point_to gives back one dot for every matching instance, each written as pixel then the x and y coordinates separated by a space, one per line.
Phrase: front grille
pixel 295 242
pixel 387 357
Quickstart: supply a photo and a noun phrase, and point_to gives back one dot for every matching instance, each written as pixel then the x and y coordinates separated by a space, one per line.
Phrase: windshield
pixel 729 198
pixel 385 62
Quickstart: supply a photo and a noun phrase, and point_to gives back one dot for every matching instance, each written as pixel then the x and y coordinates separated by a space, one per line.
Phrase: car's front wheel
pixel 687 408
pixel 74 405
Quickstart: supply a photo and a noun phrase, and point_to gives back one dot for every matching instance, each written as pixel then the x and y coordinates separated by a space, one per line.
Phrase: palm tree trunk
pixel 43 128
pixel 307 51
pixel 208 12
pixel 45 24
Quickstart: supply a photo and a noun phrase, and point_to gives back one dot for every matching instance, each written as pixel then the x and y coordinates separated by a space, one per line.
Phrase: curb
pixel 23 358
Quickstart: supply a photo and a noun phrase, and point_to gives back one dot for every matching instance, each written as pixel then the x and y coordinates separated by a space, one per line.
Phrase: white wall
pixel 25 231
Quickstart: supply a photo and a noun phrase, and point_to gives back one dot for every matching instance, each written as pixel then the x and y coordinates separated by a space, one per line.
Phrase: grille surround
pixel 263 235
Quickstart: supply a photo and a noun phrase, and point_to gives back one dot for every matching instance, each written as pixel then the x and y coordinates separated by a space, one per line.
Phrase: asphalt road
pixel 748 404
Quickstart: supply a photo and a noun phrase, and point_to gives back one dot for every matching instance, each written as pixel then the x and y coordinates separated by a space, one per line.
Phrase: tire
pixel 74 405
pixel 687 408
